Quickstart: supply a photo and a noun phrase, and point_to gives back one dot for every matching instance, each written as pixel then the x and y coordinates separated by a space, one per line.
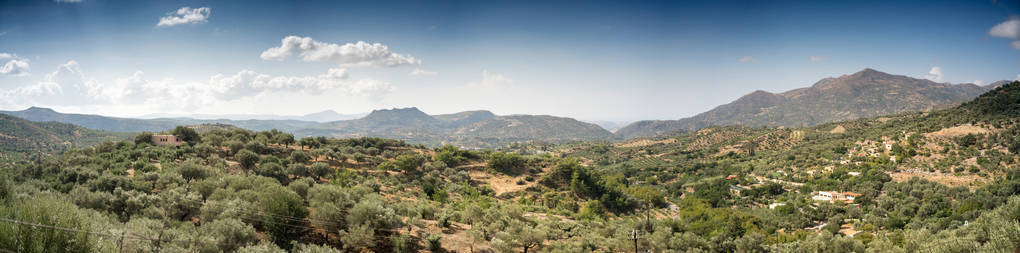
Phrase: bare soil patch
pixel 966 180
pixel 644 142
pixel 957 131
pixel 837 130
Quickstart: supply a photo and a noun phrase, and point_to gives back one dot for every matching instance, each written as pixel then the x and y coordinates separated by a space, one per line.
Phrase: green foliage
pixel 453 156
pixel 320 169
pixel 300 156
pixel 511 164
pixel 48 211
pixel 283 208
pixel 433 243
pixel 247 159
pixel 143 138
pixel 409 163
pixel 187 134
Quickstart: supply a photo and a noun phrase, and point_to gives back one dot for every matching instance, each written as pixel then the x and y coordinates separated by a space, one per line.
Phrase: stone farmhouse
pixel 166 139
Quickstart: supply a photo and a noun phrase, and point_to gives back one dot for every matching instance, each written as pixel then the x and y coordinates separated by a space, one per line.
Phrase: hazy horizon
pixel 594 61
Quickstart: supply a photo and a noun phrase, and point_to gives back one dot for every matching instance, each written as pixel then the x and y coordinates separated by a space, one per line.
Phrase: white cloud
pixel 15 67
pixel 422 72
pixel 370 88
pixel 746 59
pixel 818 58
pixel 68 85
pixel 1009 29
pixel 492 80
pixel 978 82
pixel 351 54
pixel 935 74
pixel 185 15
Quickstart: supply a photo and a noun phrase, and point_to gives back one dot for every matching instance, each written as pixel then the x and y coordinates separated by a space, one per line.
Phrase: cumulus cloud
pixel 15 67
pixel 185 15
pixel 935 74
pixel 818 58
pixel 347 55
pixel 370 88
pixel 422 72
pixel 492 80
pixel 68 85
pixel 746 59
pixel 978 82
pixel 1009 29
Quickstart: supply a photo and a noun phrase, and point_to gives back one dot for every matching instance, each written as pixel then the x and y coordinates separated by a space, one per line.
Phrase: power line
pixel 75 230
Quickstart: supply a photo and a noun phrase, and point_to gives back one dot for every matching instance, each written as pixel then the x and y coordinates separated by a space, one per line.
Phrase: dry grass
pixel 967 180
pixel 957 131
pixel 644 143
pixel 838 130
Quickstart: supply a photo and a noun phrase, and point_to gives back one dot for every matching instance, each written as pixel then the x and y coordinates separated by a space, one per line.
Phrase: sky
pixel 590 60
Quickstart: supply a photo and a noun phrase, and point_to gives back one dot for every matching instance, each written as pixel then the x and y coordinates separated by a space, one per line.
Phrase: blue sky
pixel 590 60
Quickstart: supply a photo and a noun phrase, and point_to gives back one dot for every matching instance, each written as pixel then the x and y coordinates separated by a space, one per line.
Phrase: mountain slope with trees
pixel 867 93
pixel 19 137
pixel 719 189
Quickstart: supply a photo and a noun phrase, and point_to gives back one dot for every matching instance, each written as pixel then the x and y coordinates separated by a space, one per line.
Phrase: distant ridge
pixel 468 129
pixel 472 129
pixel 19 137
pixel 866 93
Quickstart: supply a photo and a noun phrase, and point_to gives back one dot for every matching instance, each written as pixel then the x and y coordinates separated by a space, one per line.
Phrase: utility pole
pixel 159 240
pixel 634 236
pixel 120 246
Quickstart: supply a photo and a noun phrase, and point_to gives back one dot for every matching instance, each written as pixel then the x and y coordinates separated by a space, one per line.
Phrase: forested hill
pixel 475 129
pixel 867 93
pixel 19 137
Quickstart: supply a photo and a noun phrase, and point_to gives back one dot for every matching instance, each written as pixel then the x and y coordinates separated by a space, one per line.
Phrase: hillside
pixel 939 181
pixel 867 93
pixel 476 129
pixel 20 137
pixel 522 128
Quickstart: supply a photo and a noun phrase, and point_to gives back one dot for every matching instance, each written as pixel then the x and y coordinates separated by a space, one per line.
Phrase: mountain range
pixel 468 129
pixel 867 93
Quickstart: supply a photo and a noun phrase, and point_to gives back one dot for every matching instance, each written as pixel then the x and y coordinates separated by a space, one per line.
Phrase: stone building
pixel 166 139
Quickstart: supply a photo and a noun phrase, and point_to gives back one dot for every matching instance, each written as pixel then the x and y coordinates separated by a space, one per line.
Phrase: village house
pixel 166 139
pixel 833 196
